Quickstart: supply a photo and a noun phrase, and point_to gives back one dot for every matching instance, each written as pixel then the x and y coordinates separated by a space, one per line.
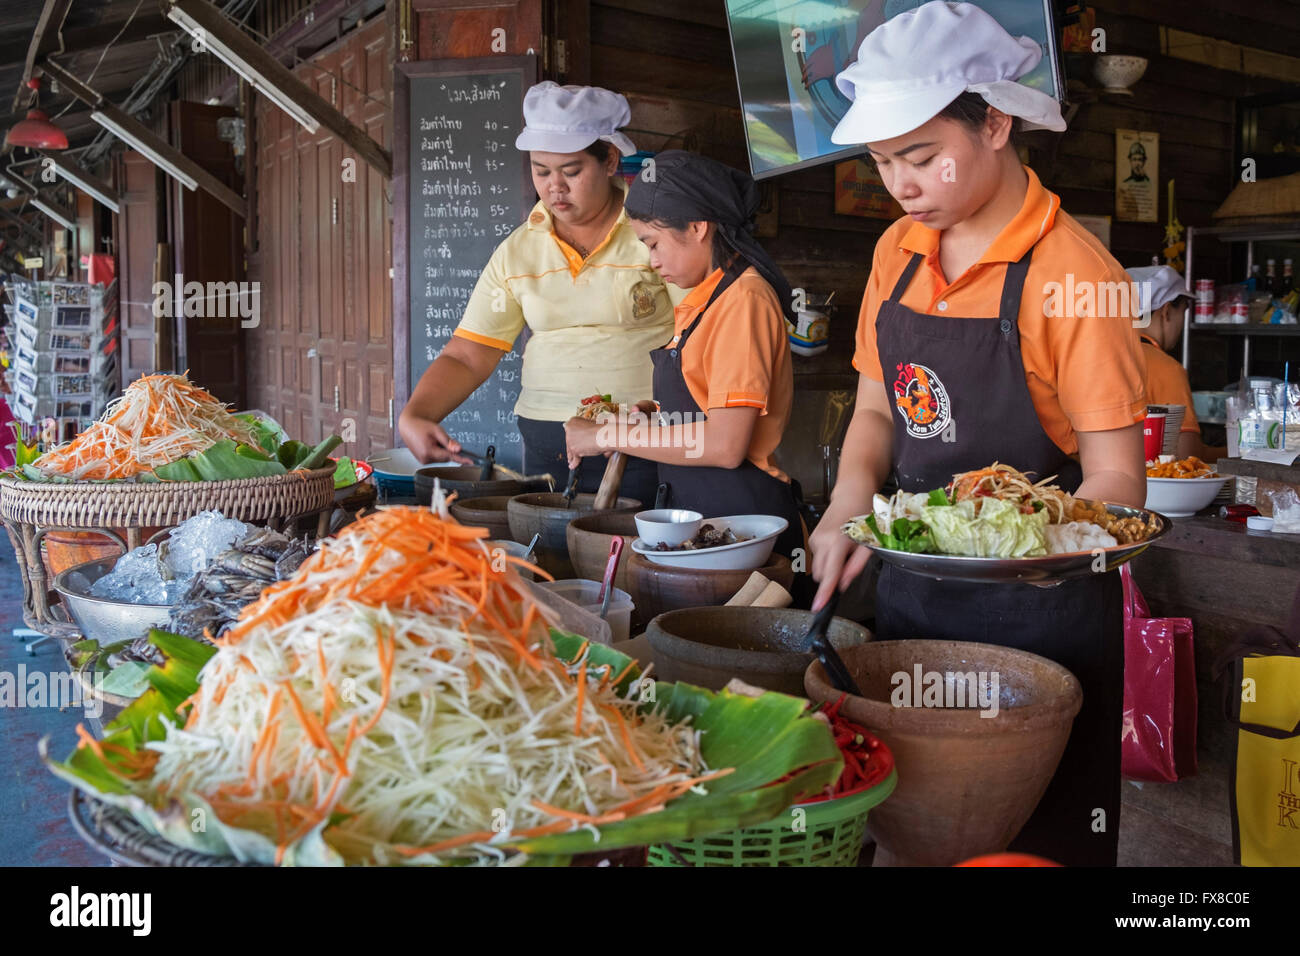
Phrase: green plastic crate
pixel 832 836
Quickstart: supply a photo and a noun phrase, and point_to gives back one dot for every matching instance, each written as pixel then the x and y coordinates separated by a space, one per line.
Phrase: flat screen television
pixel 787 88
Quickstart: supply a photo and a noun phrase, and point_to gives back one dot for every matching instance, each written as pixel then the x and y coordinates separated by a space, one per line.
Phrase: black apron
pixel 958 385
pixel 715 492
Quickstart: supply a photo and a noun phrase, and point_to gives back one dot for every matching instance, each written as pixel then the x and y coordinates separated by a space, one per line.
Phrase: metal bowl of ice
pixel 105 619
pixel 120 598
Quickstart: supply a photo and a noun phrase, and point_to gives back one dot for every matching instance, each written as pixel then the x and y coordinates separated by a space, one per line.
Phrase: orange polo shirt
pixel 739 355
pixel 1167 383
pixel 1083 362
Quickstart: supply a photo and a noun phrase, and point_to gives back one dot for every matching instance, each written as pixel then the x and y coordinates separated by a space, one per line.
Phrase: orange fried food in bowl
pixel 1191 467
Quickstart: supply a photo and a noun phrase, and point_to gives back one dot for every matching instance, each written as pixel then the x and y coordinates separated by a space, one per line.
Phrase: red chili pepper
pixel 832 710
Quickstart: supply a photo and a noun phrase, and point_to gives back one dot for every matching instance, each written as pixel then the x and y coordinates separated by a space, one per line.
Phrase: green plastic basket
pixel 830 834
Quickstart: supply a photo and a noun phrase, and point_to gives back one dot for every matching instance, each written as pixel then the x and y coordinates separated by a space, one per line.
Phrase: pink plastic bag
pixel 1159 736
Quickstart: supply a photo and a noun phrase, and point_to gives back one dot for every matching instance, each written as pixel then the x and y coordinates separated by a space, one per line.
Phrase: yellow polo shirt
pixel 594 322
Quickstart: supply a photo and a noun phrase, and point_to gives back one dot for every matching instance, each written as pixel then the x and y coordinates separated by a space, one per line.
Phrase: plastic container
pixel 395 472
pixel 584 594
pixel 515 550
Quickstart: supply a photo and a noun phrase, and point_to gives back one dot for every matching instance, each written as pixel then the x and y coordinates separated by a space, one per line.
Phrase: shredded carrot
pixel 582 697
pixel 157 420
pixel 301 762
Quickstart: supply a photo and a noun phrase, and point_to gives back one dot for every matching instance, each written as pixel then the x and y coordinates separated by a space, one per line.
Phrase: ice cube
pixel 135 579
pixel 196 541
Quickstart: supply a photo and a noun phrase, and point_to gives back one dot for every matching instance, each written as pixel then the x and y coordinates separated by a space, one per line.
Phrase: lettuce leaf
pixel 1000 530
pixel 269 434
pixel 345 473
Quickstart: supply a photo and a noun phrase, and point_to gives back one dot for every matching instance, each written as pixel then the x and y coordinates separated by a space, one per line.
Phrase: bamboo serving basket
pixel 32 509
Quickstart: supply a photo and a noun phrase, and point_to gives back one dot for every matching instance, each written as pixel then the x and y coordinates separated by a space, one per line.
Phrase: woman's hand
pixel 836 559
pixel 581 439
pixel 428 441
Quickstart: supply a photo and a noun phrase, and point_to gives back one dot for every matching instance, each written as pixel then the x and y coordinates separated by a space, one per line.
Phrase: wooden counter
pixel 1223 576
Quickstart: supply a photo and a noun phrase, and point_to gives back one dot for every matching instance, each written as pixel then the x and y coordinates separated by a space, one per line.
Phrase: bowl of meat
pixel 733 543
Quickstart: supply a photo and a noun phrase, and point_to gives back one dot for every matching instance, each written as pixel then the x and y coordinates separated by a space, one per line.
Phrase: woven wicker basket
pixel 117 835
pixel 1269 200
pixel 31 509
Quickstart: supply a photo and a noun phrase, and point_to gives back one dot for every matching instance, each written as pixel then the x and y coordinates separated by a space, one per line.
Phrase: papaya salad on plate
pixel 997 523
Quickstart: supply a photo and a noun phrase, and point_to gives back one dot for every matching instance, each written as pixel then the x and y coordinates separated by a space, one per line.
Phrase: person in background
pixel 1163 297
pixel 729 356
pixel 575 274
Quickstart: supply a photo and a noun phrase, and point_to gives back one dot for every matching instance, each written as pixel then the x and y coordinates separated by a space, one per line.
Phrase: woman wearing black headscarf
pixel 723 385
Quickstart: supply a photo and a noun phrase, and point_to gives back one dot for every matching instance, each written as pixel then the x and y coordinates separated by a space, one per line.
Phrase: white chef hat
pixel 1156 286
pixel 912 66
pixel 568 119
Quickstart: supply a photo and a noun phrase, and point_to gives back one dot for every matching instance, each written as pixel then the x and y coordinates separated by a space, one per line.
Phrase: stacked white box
pixel 63 348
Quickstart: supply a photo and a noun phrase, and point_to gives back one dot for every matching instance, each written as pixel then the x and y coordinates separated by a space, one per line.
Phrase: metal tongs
pixel 488 461
pixel 571 488
pixel 818 643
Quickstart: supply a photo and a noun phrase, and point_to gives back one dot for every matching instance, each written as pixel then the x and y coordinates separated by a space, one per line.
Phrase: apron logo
pixel 922 401
pixel 643 300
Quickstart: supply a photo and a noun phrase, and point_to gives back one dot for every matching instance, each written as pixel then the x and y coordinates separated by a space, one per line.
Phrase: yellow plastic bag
pixel 1262 699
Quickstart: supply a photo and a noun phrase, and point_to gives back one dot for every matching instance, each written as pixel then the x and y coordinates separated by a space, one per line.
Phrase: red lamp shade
pixel 37 132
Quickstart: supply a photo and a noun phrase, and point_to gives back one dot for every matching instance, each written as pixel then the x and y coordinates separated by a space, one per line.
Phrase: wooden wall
pixel 321 360
pixel 672 58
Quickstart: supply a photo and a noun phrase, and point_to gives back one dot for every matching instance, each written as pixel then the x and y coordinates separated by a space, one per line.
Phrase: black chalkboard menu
pixel 460 188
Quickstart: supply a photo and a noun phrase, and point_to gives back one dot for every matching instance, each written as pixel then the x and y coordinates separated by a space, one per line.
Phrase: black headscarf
pixel 694 188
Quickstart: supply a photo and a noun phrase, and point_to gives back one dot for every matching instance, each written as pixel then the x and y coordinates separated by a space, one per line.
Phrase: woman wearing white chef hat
pixel 965 358
pixel 577 276
pixel 1163 297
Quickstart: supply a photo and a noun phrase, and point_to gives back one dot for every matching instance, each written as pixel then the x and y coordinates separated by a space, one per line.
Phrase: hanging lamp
pixel 36 131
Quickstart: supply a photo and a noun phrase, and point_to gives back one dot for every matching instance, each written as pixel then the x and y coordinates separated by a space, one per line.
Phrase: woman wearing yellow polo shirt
pixel 959 299
pixel 576 276
pixel 728 355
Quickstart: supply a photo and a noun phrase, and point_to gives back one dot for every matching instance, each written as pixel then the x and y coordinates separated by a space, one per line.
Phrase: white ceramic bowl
pixel 670 526
pixel 761 530
pixel 1117 72
pixel 1180 497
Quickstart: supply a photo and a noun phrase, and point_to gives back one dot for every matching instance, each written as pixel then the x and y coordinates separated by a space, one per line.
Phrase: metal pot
pixel 99 618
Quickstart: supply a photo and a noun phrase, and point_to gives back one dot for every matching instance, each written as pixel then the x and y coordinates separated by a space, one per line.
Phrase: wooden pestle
pixel 759 591
pixel 610 482
pixel 752 588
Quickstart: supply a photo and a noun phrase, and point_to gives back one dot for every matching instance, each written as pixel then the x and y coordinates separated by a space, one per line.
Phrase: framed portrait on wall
pixel 1137 175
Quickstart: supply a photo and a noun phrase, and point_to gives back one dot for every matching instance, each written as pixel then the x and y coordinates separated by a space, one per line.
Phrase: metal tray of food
pixel 1045 570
